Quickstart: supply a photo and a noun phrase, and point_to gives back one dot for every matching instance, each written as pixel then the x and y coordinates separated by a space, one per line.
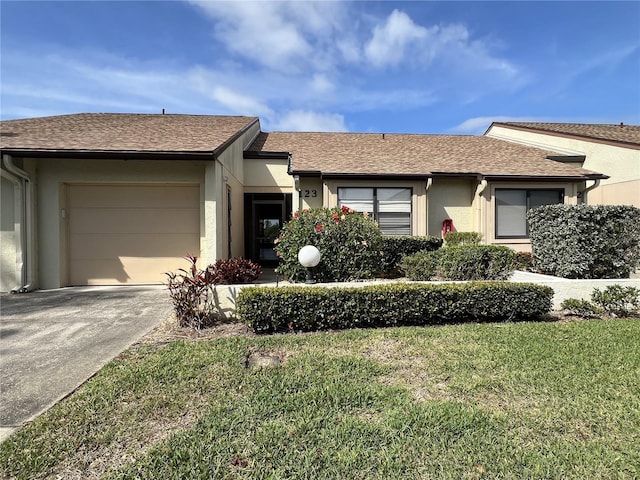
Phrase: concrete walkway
pixel 52 341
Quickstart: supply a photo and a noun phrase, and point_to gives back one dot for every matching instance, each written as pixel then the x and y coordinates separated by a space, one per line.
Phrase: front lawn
pixel 514 400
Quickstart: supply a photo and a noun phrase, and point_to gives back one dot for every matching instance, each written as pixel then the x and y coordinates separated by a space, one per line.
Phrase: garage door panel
pixel 117 271
pixel 132 245
pixel 115 196
pixel 122 234
pixel 131 220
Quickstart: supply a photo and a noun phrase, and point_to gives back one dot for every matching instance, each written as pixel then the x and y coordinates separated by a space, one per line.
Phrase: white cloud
pixel 389 41
pixel 239 103
pixel 321 84
pixel 308 121
pixel 282 36
pixel 399 40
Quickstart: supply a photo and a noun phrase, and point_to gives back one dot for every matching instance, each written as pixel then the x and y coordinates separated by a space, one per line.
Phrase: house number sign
pixel 310 193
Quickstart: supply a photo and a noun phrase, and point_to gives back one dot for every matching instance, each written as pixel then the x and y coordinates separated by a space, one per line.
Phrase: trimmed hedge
pixel 462 238
pixel 585 241
pixel 464 262
pixel 273 309
pixel 394 249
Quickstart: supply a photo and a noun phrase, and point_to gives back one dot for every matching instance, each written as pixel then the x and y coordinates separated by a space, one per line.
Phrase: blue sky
pixel 415 67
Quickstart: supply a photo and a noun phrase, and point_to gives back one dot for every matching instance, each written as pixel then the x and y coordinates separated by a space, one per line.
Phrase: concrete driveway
pixel 51 341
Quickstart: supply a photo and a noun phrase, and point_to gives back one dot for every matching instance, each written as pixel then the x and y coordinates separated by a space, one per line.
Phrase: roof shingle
pixel 400 154
pixel 627 134
pixel 122 132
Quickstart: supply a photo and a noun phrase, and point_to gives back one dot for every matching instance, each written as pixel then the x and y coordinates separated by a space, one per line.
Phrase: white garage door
pixel 131 233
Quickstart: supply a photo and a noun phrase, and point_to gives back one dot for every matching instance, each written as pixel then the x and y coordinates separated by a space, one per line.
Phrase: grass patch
pixel 525 400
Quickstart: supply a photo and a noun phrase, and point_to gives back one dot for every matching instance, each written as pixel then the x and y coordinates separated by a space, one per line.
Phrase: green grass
pixel 515 400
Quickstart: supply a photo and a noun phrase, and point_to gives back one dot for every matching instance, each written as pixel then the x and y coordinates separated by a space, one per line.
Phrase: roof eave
pixel 224 145
pixel 549 178
pixel 108 154
pixel 256 154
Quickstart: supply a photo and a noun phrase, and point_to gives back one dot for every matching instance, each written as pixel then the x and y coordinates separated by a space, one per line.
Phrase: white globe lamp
pixel 309 257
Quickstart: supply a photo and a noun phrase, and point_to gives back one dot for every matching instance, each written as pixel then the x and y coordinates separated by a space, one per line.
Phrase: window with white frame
pixel 513 204
pixel 391 207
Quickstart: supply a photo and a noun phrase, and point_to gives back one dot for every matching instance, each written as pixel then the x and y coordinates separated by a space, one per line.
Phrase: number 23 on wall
pixel 309 193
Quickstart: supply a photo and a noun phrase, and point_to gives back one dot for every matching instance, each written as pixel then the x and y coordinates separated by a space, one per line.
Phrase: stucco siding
pixel 9 268
pixel 267 176
pixel 231 157
pixel 622 193
pixel 450 198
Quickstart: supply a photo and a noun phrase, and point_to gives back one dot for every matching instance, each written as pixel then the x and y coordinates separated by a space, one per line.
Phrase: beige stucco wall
pixel 9 266
pixel 232 159
pixel 451 198
pixel 54 174
pixel 267 176
pixel 623 193
pixel 621 164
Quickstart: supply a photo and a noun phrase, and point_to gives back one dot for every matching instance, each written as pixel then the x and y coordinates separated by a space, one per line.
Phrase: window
pixel 391 207
pixel 512 206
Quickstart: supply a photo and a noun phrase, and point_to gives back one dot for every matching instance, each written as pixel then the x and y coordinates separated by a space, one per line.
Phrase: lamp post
pixel 309 256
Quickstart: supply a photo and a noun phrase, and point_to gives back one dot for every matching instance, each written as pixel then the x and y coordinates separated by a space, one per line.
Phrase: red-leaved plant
pixel 193 293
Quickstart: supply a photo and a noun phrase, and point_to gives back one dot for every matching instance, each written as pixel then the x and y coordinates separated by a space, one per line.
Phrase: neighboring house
pixel 610 149
pixel 119 198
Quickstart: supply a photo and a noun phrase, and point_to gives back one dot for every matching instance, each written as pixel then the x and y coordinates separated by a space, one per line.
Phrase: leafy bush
pixel 193 291
pixel 396 248
pixel 420 266
pixel 270 309
pixel 580 308
pixel 523 261
pixel 235 271
pixel 350 244
pixel 192 295
pixel 462 238
pixel 617 300
pixel 584 241
pixel 464 262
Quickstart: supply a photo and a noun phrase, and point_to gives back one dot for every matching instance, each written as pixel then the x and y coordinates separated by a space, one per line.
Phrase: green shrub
pixel 464 262
pixel 350 244
pixel 617 300
pixel 462 238
pixel 583 241
pixel 580 308
pixel 394 249
pixel 420 266
pixel 271 309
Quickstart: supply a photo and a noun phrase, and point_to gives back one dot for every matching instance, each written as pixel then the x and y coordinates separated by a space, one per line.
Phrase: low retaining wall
pixel 563 288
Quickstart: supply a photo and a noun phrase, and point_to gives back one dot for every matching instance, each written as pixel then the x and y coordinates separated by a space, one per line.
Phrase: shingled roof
pixel 629 135
pixel 122 132
pixel 366 154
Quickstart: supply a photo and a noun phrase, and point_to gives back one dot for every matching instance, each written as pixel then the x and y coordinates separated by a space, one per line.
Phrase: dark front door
pixel 268 214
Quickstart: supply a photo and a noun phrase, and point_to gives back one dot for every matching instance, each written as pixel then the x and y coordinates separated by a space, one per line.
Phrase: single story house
pixel 95 199
pixel 610 149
